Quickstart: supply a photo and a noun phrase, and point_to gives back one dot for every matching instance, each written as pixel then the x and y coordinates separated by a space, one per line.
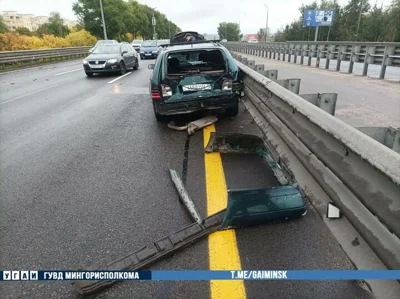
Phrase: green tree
pixel 121 18
pixel 23 31
pixel 3 26
pixel 229 31
pixel 261 34
pixel 55 26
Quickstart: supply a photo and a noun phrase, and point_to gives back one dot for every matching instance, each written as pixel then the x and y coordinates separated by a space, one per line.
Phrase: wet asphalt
pixel 84 180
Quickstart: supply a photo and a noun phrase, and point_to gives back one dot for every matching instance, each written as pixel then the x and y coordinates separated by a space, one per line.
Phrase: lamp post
pixel 153 22
pixel 266 25
pixel 102 18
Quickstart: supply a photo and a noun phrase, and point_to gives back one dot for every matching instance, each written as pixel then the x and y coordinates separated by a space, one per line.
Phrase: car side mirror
pixel 124 52
pixel 151 66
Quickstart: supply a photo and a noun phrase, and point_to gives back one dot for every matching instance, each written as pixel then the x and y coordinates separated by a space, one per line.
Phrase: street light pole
pixel 153 21
pixel 102 18
pixel 266 25
pixel 359 17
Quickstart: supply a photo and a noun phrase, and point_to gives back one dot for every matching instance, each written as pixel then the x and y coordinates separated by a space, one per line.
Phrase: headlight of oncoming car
pixel 166 90
pixel 112 61
pixel 227 85
pixel 85 61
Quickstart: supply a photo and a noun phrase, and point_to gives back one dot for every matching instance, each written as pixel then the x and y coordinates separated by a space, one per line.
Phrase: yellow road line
pixel 223 251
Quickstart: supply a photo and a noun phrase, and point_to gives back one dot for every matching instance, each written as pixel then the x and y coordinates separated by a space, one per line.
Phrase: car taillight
pixel 166 90
pixel 227 85
pixel 155 94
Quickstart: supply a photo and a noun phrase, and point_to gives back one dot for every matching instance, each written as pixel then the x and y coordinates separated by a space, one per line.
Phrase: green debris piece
pixel 249 207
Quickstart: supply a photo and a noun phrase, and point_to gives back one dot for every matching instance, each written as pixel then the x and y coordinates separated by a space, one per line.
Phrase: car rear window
pixel 107 49
pixel 149 44
pixel 195 62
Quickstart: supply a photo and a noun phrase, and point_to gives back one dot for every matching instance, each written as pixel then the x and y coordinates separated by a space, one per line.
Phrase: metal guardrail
pixel 325 101
pixel 356 172
pixel 12 57
pixel 383 54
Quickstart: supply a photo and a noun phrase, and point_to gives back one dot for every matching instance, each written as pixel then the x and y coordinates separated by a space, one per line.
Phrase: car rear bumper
pixel 186 107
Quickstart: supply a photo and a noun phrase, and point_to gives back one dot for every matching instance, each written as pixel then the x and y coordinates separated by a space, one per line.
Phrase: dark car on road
pixel 111 58
pixel 194 76
pixel 149 49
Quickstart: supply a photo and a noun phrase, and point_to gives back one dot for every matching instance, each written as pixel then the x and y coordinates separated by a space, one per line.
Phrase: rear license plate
pixel 196 87
pixel 148 54
pixel 96 66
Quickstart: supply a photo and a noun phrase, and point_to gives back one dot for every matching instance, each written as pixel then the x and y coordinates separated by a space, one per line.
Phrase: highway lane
pixel 84 179
pixel 362 101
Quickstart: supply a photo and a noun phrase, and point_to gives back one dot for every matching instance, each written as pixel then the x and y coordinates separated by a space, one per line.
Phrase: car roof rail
pixel 215 41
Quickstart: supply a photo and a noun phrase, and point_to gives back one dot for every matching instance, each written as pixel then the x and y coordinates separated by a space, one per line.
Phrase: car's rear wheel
pixel 122 68
pixel 234 110
pixel 159 117
pixel 89 74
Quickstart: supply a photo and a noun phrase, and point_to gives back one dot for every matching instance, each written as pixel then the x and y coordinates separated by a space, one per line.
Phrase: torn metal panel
pixel 249 207
pixel 234 143
pixel 154 252
pixel 184 196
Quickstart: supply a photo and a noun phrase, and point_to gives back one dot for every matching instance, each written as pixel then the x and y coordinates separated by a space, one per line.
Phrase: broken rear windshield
pixel 195 62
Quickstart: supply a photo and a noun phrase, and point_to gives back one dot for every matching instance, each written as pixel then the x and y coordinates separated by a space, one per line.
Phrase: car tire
pixel 89 74
pixel 122 68
pixel 234 110
pixel 136 65
pixel 159 117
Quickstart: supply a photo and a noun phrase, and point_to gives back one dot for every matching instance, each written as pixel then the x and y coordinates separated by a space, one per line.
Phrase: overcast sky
pixel 197 15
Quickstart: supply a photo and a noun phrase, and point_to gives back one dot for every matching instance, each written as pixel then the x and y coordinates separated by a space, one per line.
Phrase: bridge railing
pixel 383 54
pixel 12 59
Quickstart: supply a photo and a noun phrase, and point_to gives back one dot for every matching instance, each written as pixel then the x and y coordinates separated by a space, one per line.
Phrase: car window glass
pixel 107 49
pixel 149 44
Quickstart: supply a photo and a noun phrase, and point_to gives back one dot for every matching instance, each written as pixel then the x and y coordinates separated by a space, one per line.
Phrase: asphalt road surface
pixel 362 101
pixel 84 180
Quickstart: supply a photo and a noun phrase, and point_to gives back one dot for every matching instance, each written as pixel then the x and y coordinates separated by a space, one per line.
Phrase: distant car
pixel 149 49
pixel 108 58
pixel 253 41
pixel 136 44
pixel 197 76
pixel 103 42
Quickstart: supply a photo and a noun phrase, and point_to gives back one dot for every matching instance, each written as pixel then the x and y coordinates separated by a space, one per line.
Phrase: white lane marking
pixel 68 72
pixel 28 94
pixel 112 81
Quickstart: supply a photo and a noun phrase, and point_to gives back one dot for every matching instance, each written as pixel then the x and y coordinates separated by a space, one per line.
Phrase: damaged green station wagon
pixel 194 76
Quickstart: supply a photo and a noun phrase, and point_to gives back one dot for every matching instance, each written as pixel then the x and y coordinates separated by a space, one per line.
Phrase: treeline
pixel 123 18
pixel 377 23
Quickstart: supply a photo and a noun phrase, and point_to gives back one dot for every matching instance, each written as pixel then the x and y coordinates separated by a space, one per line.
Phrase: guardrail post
pixel 291 84
pixel 339 58
pixel 354 57
pixel 270 51
pixel 274 48
pixel 302 55
pixel 289 53
pixel 369 59
pixel 296 52
pixel 310 54
pixel 271 74
pixel 386 60
pixel 251 63
pixel 284 53
pixel 325 101
pixel 318 55
pixel 259 68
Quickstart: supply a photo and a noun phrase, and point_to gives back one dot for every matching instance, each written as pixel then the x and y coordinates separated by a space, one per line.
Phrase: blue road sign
pixel 314 18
